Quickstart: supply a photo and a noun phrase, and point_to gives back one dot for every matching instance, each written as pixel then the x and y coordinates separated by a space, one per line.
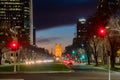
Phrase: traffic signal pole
pixel 102 33
pixel 15 61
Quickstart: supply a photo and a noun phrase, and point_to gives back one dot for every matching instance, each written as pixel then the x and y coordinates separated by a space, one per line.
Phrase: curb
pixel 37 72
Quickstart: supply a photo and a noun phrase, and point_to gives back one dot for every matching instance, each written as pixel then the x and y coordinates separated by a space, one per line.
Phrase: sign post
pixel 15 62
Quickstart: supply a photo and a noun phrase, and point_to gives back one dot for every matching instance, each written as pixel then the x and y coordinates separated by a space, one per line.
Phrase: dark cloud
pixel 47 40
pixel 51 13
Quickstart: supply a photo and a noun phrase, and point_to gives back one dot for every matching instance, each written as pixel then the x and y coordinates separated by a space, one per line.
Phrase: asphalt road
pixel 60 76
pixel 82 72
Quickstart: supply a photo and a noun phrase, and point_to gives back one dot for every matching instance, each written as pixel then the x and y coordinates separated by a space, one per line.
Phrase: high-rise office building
pixel 15 18
pixel 81 35
pixel 81 28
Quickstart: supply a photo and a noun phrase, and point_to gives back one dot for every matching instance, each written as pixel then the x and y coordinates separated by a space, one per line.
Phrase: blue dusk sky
pixel 47 38
pixel 55 20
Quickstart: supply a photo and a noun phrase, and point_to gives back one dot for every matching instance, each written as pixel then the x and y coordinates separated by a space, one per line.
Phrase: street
pixel 82 72
pixel 60 76
pixel 57 39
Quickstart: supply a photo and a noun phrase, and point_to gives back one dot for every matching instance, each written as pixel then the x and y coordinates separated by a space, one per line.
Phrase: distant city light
pixel 39 61
pixel 73 52
pixel 82 45
pixel 82 20
pixel 83 57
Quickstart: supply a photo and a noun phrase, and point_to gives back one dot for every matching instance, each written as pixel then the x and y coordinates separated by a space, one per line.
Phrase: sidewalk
pixel 102 67
pixel 86 67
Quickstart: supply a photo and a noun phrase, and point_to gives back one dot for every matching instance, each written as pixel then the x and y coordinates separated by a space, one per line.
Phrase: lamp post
pixel 109 57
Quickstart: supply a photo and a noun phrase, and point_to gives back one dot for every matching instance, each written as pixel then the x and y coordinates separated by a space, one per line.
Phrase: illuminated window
pixel 79 36
pixel 79 30
pixel 14 17
pixel 2 11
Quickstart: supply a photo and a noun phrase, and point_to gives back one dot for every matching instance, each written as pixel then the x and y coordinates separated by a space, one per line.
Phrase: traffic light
pixel 73 52
pixel 68 55
pixel 14 45
pixel 83 57
pixel 102 31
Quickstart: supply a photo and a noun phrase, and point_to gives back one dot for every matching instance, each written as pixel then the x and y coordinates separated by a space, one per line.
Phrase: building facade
pixel 58 50
pixel 81 35
pixel 15 20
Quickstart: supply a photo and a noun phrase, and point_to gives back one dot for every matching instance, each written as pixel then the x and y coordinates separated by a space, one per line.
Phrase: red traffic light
pixel 102 31
pixel 68 55
pixel 14 45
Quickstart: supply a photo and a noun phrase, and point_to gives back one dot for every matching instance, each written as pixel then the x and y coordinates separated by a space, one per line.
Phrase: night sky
pixel 55 20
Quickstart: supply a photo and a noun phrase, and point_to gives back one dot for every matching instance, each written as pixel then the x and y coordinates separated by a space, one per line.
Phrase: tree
pixel 114 37
pixel 94 43
pixel 88 50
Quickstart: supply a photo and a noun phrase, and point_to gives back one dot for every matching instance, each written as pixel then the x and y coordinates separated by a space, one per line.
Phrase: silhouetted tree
pixel 114 37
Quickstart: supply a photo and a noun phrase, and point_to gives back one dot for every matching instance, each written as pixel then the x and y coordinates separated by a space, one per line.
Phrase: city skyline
pixel 51 17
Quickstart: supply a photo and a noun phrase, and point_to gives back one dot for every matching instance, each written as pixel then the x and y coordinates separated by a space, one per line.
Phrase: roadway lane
pixel 61 76
pixel 82 72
